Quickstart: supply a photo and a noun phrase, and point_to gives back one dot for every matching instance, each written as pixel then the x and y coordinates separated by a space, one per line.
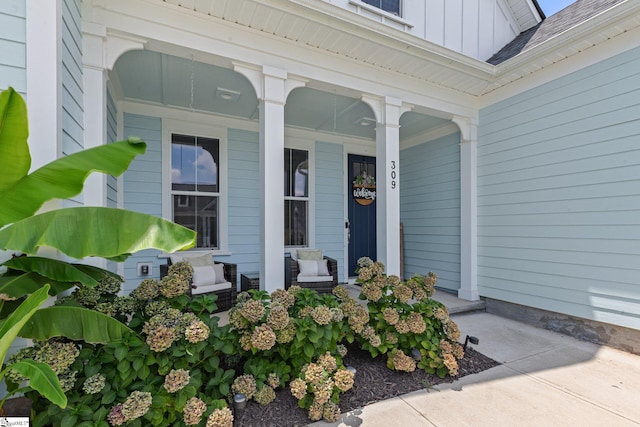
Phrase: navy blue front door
pixel 361 188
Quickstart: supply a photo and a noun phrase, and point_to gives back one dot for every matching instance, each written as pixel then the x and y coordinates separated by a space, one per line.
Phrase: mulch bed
pixel 373 382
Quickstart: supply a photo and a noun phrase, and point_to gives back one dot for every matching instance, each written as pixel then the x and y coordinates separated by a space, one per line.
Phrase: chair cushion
pixel 308 279
pixel 313 268
pixel 204 276
pixel 205 289
pixel 309 254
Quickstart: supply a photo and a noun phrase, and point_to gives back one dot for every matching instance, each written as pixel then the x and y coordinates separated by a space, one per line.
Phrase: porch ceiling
pixel 167 80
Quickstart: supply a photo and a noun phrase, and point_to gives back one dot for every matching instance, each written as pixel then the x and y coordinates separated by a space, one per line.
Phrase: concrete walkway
pixel 546 379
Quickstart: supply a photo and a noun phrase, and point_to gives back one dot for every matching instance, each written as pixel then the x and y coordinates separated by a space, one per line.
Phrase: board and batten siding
pixel 329 202
pixel 243 200
pixel 430 209
pixel 559 195
pixel 13 45
pixel 476 28
pixel 143 188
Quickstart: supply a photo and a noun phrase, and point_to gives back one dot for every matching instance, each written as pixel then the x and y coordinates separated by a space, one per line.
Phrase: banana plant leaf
pixel 58 271
pixel 15 159
pixel 19 285
pixel 76 323
pixel 64 177
pixel 11 326
pixel 42 379
pixel 96 231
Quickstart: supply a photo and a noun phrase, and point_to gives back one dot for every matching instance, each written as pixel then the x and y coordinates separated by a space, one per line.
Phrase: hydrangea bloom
pixel 176 380
pixel 193 410
pixel 136 405
pixel 220 418
pixel 94 384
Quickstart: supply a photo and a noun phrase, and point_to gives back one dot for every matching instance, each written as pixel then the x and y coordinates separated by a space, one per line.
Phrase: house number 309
pixel 394 174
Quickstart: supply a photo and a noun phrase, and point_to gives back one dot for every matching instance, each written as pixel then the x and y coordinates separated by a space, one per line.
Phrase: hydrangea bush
pixel 171 373
pixel 405 323
pixel 181 368
pixel 319 386
pixel 282 332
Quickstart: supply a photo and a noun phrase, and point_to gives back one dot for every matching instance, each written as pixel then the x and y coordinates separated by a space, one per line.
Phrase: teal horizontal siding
pixel 430 209
pixel 559 195
pixel 329 201
pixel 112 134
pixel 13 35
pixel 72 92
pixel 143 187
pixel 243 200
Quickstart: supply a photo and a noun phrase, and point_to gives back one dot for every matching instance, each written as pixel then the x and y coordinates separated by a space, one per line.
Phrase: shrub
pixel 319 386
pixel 171 372
pixel 403 319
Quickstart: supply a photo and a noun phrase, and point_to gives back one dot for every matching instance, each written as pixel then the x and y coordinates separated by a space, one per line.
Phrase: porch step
pixel 454 304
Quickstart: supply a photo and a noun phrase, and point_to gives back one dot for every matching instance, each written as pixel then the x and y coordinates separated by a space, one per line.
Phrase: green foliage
pixel 43 378
pixel 78 232
pixel 175 351
pixel 404 319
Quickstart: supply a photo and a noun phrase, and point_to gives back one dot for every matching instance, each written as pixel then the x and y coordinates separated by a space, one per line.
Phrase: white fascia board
pixel 179 26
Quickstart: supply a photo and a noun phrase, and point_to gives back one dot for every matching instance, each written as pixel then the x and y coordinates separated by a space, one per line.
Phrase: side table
pixel 250 281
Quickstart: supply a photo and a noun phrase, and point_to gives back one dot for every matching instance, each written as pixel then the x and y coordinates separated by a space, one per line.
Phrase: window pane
pixel 199 213
pixel 295 223
pixel 391 6
pixel 194 163
pixel 296 173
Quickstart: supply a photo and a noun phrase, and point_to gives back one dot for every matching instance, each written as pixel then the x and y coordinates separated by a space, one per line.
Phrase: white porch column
pixel 272 88
pixel 44 75
pixel 271 167
pixel 468 209
pixel 94 80
pixel 388 183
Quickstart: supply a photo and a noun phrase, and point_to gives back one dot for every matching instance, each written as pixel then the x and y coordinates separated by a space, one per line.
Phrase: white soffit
pixel 321 25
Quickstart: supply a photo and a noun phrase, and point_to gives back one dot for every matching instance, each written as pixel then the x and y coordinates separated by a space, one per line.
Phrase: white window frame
pixel 299 142
pixel 302 198
pixel 170 127
pixel 361 7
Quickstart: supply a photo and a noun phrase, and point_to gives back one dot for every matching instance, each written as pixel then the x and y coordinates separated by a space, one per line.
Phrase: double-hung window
pixel 195 186
pixel 296 197
pixel 391 6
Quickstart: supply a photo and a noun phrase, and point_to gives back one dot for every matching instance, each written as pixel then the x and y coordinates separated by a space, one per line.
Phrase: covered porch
pixel 314 118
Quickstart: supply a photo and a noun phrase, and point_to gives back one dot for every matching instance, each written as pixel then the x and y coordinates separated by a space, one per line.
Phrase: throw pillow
pixel 200 261
pixel 313 267
pixel 310 254
pixel 219 268
pixel 204 275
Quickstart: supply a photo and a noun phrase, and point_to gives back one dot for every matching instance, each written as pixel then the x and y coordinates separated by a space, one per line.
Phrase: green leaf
pixel 75 323
pixel 15 160
pixel 10 328
pixel 59 271
pixel 309 350
pixel 64 177
pixel 80 232
pixel 19 285
pixel 42 379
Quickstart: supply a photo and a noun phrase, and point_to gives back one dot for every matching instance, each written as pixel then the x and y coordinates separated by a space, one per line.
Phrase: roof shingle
pixel 550 27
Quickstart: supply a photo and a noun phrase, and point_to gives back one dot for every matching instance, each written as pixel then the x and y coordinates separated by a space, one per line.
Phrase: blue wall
pixel 13 35
pixel 244 200
pixel 430 209
pixel 329 201
pixel 559 195
pixel 143 187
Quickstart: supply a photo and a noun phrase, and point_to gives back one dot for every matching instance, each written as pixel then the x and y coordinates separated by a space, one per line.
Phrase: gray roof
pixel 555 24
